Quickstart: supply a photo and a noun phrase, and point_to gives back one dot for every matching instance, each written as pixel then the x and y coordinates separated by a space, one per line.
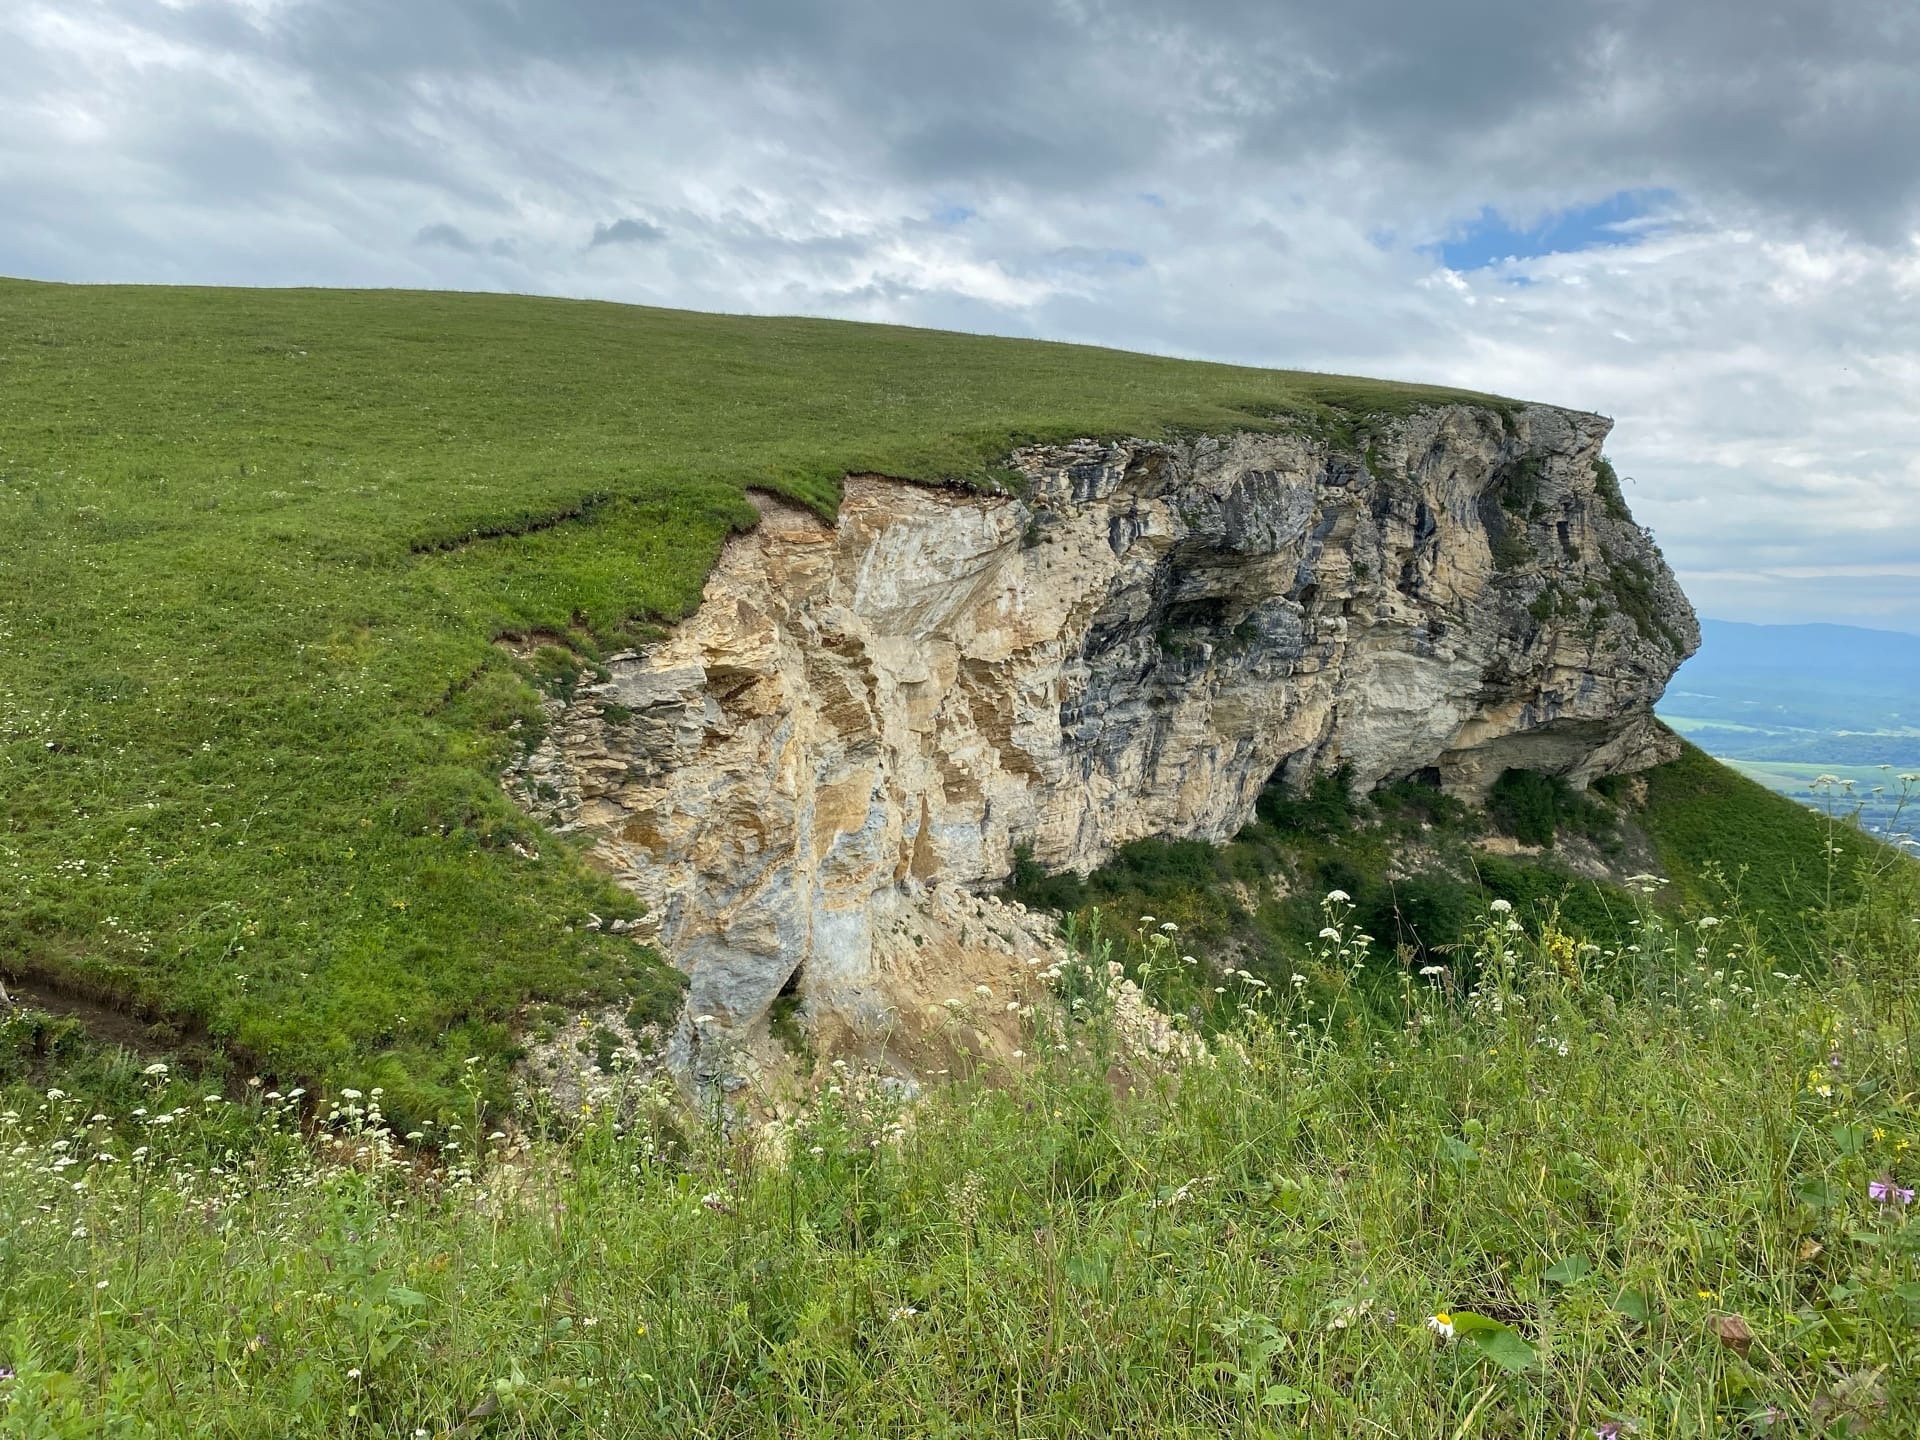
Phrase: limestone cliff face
pixel 863 720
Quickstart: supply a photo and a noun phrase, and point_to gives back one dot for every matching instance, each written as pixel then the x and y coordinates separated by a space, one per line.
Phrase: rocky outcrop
pixel 865 719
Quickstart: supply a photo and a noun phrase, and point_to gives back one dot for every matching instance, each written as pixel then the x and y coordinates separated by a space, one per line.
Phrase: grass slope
pixel 1720 835
pixel 1877 793
pixel 1407 857
pixel 1416 865
pixel 1657 1193
pixel 255 547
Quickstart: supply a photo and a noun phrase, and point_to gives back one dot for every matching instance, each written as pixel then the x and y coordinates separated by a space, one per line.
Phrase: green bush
pixel 1424 802
pixel 1533 808
pixel 1425 915
pixel 1527 805
pixel 1606 484
pixel 1325 806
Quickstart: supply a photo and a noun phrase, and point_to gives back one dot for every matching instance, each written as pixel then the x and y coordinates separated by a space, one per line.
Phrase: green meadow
pixel 1545 1188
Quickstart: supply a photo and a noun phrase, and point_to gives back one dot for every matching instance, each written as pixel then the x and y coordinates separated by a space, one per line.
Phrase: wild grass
pixel 1721 836
pixel 1409 856
pixel 1415 862
pixel 255 549
pixel 1662 1192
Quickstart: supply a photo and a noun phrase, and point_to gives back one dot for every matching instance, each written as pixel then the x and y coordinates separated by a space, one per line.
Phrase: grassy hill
pixel 1661 1192
pixel 1474 1177
pixel 255 549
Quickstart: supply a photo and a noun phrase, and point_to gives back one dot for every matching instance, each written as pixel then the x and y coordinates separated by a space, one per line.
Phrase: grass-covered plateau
pixel 257 548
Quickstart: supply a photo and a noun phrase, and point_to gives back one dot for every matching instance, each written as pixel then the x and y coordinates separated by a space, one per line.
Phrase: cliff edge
pixel 811 779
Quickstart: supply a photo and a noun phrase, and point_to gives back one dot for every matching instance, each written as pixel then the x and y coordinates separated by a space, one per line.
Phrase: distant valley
pixel 1788 704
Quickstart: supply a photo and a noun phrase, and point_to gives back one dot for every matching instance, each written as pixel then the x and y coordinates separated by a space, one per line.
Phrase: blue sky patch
pixel 1491 238
pixel 1087 258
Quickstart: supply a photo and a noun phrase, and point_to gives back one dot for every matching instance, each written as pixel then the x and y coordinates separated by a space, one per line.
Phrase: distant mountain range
pixel 1788 703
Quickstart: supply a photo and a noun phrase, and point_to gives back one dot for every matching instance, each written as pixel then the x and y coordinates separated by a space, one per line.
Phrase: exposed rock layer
pixel 861 711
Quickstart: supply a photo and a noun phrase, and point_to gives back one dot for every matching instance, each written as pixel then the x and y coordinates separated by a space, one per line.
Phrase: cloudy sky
pixel 1701 217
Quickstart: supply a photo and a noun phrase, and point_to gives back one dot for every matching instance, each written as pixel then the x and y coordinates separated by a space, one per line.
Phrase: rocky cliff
pixel 809 780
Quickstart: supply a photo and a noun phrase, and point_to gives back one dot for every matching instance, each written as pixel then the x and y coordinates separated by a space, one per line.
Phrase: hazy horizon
pixel 1812 625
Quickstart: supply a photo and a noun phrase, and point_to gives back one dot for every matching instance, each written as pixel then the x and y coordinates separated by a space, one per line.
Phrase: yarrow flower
pixel 1501 907
pixel 1888 1193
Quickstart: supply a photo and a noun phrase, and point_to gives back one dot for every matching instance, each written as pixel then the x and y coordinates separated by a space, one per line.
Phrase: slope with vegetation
pixel 1557 1150
pixel 1665 1189
pixel 256 548
pixel 1420 865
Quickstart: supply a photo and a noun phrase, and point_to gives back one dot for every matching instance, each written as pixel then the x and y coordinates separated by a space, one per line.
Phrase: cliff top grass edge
pixel 256 547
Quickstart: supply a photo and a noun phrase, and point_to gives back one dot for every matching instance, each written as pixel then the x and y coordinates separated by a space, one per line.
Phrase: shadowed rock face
pixel 864 711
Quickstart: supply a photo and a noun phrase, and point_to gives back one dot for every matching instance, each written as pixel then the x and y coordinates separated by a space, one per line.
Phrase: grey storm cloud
pixel 627 231
pixel 1267 181
pixel 1807 107
pixel 452 237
